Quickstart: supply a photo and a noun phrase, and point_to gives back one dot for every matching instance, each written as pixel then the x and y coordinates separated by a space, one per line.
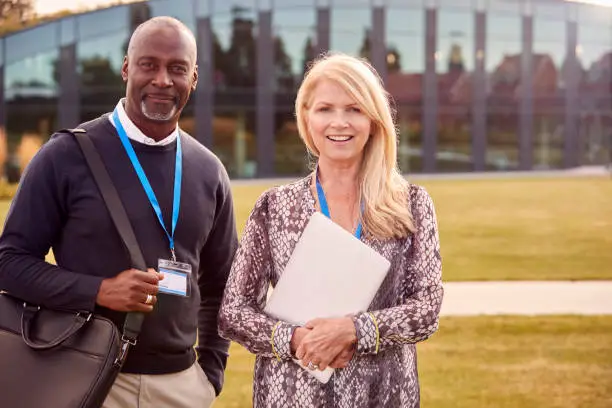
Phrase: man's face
pixel 160 72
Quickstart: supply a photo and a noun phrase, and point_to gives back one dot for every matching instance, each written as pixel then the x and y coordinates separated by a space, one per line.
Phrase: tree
pixel 101 85
pixel 15 15
pixel 240 57
pixel 455 59
pixel 366 46
pixel 16 10
pixel 392 56
pixel 97 72
pixel 309 54
pixel 394 60
pixel 219 60
pixel 283 74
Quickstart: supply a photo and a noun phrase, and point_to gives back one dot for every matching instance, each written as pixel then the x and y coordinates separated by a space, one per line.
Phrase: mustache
pixel 158 95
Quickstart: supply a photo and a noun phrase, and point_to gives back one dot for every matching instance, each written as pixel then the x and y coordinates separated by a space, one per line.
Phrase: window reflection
pixel 180 9
pixel 504 6
pixel 99 68
pixel 350 30
pixel 187 119
pixel 3 155
pixel 295 43
pixel 291 154
pixel 294 47
pixel 594 53
pixel 455 41
pixel 405 66
pixel 31 108
pixel 32 74
pixel 27 43
pixel 234 45
pixel 101 22
pixel 549 55
pixel 503 64
pixel 454 65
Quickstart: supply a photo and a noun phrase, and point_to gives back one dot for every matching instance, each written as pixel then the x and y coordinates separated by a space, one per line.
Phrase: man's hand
pixel 127 292
pixel 330 341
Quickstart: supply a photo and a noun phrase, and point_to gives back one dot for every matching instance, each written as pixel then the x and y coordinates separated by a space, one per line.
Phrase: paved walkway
pixel 518 298
pixel 527 298
pixel 583 171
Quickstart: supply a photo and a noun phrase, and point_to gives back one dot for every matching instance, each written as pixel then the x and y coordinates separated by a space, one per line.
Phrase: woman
pixel 344 118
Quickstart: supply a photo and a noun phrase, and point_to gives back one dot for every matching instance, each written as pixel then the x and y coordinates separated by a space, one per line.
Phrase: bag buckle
pixel 26 305
pixel 87 315
pixel 127 340
pixel 125 346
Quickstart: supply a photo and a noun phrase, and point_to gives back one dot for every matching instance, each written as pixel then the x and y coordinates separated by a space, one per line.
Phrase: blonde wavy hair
pixel 383 189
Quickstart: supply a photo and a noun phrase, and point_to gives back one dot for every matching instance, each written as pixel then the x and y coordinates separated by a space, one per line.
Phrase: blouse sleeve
pixel 241 317
pixel 417 318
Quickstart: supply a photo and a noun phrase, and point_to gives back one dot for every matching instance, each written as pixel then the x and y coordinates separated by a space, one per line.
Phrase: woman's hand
pixel 329 342
pixel 296 339
pixel 345 357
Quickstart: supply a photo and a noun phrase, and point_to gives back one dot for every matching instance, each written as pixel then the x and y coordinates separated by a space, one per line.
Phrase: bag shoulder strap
pixel 133 320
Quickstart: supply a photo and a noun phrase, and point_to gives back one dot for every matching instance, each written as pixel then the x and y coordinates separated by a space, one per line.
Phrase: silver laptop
pixel 329 274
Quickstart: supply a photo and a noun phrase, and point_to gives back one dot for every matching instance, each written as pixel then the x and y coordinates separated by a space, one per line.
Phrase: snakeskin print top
pixel 404 311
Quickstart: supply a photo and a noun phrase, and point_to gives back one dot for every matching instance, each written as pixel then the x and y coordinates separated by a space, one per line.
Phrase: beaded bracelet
pixel 272 341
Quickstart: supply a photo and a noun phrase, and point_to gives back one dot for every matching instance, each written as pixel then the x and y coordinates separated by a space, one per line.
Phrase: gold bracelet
pixel 377 332
pixel 272 341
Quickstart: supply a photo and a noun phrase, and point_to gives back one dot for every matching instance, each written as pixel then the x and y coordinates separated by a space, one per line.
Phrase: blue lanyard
pixel 325 207
pixel 178 174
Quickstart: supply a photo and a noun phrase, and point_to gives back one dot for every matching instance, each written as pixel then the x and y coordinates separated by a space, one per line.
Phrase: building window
pixel 454 66
pixel 31 90
pixel 99 67
pixel 549 57
pixel 235 72
pixel 350 29
pixel 594 54
pixel 294 36
pixel 503 53
pixel 405 54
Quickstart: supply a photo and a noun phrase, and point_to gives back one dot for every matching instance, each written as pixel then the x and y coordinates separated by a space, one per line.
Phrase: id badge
pixel 176 277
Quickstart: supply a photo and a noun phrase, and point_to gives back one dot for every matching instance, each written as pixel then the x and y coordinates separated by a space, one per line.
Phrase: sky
pixel 599 2
pixel 51 6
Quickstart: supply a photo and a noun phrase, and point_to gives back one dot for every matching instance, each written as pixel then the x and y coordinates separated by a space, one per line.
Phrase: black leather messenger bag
pixel 61 359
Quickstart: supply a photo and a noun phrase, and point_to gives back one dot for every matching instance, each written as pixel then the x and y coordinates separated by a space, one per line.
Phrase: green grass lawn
pixel 494 362
pixel 509 229
pixel 502 229
pixel 513 229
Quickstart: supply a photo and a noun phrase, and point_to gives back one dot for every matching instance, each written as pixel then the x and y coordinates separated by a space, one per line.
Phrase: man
pixel 58 206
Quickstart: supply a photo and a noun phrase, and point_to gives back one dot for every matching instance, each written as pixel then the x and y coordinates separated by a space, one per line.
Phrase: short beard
pixel 157 117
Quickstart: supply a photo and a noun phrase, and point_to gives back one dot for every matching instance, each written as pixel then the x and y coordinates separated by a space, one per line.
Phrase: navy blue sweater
pixel 58 206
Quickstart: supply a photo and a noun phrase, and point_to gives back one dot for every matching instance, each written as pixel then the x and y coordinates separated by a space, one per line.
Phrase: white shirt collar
pixel 136 134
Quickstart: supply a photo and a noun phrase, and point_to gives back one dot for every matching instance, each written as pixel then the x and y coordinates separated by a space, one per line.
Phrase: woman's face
pixel 339 128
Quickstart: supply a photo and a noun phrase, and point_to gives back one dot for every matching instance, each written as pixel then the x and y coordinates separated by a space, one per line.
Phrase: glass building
pixel 478 85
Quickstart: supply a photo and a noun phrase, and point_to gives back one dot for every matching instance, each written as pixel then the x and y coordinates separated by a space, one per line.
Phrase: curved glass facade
pixel 478 85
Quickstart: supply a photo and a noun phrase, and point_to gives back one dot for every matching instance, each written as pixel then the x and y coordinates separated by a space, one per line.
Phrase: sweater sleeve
pixel 242 318
pixel 34 221
pixel 417 318
pixel 215 263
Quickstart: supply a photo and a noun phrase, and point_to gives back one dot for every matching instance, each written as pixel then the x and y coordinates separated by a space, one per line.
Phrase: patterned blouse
pixel 383 371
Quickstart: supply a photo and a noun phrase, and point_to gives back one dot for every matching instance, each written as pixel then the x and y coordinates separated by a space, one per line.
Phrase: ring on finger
pixel 149 299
